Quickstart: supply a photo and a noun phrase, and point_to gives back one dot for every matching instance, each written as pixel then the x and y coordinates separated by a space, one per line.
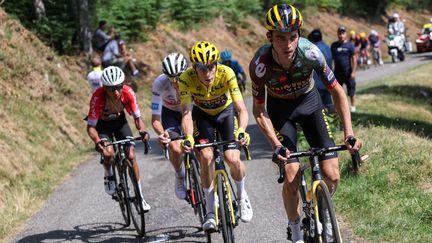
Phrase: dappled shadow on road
pixel 178 234
pixel 420 128
pixel 86 233
pixel 415 92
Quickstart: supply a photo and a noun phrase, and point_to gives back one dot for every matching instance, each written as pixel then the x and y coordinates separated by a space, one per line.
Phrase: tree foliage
pixel 134 19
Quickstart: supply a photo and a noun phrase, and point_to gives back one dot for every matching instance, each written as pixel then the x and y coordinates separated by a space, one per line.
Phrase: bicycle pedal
pixel 114 197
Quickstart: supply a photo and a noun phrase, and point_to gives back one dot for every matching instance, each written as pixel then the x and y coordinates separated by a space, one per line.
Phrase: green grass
pixel 387 202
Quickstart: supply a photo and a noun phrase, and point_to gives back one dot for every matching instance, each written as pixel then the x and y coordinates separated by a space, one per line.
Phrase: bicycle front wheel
pixel 121 195
pixel 224 210
pixel 327 226
pixel 196 193
pixel 135 200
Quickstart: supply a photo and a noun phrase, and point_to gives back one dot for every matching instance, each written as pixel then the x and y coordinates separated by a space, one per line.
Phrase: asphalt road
pixel 80 211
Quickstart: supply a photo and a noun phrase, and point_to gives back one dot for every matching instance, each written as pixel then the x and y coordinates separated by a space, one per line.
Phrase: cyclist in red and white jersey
pixel 107 120
pixel 166 114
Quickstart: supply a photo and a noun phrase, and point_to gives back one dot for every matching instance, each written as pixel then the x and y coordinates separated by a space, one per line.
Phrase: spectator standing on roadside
pixel 101 37
pixel 94 76
pixel 316 37
pixel 345 64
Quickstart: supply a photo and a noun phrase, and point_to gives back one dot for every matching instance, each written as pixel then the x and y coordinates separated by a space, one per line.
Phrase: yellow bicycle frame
pixel 216 196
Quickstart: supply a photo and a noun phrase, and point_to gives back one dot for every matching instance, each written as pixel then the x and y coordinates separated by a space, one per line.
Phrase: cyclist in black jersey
pixel 283 69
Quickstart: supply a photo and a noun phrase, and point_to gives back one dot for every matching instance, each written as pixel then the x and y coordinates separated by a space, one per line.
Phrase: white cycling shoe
pixel 110 186
pixel 145 205
pixel 210 222
pixel 246 212
pixel 180 188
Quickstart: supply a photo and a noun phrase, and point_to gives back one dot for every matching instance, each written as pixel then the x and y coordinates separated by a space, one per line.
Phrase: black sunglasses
pixel 205 67
pixel 114 88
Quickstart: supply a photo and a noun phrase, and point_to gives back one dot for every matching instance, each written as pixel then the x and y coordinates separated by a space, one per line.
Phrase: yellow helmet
pixel 362 35
pixel 204 52
pixel 352 33
pixel 284 18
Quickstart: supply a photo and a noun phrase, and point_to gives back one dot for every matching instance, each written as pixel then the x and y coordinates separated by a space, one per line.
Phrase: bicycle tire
pixel 324 201
pixel 355 163
pixel 198 203
pixel 122 195
pixel 135 201
pixel 224 211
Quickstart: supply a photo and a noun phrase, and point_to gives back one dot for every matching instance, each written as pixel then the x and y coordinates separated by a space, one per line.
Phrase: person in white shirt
pixel 94 76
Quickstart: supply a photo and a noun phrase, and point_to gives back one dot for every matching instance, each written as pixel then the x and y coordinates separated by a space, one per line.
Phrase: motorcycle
pixel 396 46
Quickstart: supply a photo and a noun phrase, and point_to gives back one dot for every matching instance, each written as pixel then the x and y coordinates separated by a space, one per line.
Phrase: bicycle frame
pixel 309 198
pixel 221 170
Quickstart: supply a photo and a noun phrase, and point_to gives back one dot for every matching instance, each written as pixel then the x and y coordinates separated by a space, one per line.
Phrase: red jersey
pixel 107 110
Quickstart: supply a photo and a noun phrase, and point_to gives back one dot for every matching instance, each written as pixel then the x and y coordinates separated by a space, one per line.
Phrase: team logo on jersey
pixel 312 54
pixel 155 106
pixel 260 68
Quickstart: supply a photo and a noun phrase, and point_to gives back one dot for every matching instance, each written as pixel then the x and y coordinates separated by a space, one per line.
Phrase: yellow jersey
pixel 211 99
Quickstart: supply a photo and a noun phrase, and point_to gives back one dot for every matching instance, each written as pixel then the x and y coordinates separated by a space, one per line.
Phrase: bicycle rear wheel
pixel 135 200
pixel 224 210
pixel 121 195
pixel 326 216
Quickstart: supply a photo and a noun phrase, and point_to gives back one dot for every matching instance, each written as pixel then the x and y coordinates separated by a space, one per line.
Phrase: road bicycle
pixel 226 208
pixel 195 193
pixel 127 191
pixel 319 218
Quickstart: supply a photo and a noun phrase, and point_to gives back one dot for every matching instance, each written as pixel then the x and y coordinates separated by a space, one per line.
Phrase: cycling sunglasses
pixel 205 67
pixel 114 88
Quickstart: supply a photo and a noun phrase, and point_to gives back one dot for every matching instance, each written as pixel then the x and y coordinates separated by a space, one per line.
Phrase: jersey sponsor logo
pixel 213 103
pixel 260 68
pixel 312 54
pixel 155 106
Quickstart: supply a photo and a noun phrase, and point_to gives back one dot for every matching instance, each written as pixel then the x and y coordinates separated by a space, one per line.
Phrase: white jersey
pixel 94 79
pixel 164 94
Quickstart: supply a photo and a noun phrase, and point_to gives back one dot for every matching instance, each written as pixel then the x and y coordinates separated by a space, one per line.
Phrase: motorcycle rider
pixel 397 28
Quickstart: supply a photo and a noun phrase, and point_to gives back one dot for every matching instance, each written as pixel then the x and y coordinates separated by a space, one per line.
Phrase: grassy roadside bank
pixel 390 201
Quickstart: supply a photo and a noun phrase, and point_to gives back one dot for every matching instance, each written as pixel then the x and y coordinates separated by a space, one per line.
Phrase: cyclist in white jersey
pixel 166 114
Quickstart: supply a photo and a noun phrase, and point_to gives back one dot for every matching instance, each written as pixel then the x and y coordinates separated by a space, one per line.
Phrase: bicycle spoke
pixel 121 196
pixel 134 198
pixel 224 209
pixel 327 217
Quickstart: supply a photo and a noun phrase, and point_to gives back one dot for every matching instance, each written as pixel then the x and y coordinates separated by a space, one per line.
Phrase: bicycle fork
pixel 216 197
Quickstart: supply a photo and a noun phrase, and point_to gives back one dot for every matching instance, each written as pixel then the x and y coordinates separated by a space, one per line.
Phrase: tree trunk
pixel 83 19
pixel 39 9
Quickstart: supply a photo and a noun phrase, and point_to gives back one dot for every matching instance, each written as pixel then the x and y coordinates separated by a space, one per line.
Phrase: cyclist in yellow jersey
pixel 210 96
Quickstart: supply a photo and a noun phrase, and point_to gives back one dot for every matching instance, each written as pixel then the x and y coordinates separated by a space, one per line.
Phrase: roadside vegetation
pixel 44 98
pixel 390 201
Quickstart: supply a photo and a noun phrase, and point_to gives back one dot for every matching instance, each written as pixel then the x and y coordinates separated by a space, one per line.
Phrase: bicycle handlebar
pixel 311 153
pixel 147 146
pixel 219 143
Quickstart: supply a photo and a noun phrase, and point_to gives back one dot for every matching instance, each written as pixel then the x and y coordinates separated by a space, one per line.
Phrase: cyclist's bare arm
pixel 243 116
pixel 187 123
pixel 341 104
pixel 139 124
pixel 93 134
pixel 264 123
pixel 158 128
pixel 157 124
